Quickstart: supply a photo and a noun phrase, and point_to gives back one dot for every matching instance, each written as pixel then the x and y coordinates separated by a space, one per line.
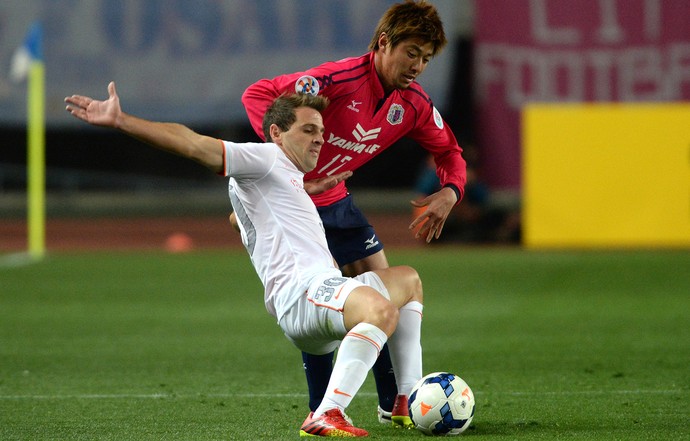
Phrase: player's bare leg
pixel 384 376
pixel 405 289
pixel 370 263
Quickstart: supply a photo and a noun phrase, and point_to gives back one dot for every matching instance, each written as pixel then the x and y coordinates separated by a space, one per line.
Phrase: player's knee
pixel 413 285
pixel 385 316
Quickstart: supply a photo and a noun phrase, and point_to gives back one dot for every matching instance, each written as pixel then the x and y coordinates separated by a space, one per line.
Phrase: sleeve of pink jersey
pixel 259 96
pixel 451 167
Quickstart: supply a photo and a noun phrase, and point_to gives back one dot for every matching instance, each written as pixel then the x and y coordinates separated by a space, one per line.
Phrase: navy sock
pixel 318 369
pixel 386 387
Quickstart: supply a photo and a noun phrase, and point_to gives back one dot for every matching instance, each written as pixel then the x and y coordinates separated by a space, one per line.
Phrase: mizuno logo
pixel 362 135
pixel 371 242
pixel 354 105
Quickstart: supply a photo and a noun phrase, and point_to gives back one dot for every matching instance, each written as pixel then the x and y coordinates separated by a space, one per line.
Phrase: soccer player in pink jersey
pixel 374 102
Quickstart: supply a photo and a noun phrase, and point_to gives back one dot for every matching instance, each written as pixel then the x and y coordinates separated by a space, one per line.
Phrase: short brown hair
pixel 411 19
pixel 282 111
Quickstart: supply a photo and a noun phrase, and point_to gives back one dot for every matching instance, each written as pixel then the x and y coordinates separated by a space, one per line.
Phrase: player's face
pixel 399 66
pixel 302 142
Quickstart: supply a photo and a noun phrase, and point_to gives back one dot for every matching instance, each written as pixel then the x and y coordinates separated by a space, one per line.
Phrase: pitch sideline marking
pixel 299 395
pixel 15 260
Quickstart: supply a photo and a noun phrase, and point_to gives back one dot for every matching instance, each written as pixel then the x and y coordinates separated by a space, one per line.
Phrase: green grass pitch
pixel 153 346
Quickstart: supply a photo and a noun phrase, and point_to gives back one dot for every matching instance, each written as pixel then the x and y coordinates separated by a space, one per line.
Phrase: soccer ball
pixel 441 404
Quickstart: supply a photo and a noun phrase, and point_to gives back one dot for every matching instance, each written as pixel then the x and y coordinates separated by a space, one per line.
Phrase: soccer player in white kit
pixel 316 307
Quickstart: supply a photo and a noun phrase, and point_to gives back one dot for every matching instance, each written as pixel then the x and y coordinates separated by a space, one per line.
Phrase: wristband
pixel 456 190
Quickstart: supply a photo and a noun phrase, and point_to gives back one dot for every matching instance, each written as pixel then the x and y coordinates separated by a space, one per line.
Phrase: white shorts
pixel 315 322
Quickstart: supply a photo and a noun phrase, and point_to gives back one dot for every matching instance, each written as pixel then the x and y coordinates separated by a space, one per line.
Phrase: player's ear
pixel 275 132
pixel 383 41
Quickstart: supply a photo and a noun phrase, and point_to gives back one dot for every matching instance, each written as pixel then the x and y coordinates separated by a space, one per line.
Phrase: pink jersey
pixel 361 121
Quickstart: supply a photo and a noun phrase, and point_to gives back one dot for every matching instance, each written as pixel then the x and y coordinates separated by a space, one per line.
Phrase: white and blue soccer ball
pixel 441 404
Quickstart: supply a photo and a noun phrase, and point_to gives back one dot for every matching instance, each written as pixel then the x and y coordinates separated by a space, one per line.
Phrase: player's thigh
pixel 367 305
pixel 403 284
pixel 373 262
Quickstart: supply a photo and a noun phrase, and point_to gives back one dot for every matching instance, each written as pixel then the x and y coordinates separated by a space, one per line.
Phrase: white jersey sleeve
pixel 249 160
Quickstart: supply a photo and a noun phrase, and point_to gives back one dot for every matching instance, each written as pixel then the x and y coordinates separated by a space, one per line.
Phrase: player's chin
pixel 310 165
pixel 405 82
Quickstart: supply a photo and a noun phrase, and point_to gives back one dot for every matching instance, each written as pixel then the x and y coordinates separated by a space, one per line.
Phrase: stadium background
pixel 189 61
pixel 142 344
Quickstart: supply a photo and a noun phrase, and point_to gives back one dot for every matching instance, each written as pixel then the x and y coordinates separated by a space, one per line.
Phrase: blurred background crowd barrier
pixel 190 60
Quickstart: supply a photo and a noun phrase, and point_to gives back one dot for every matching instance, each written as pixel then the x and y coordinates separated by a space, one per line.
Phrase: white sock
pixel 406 347
pixel 357 353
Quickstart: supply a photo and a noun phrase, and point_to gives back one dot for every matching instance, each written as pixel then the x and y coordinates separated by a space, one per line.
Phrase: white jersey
pixel 279 224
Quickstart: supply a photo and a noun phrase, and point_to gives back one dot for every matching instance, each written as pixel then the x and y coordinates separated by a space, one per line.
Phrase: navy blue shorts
pixel 349 234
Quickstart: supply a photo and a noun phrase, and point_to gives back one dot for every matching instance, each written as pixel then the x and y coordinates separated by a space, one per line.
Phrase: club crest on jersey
pixel 298 185
pixel 307 84
pixel 395 114
pixel 437 119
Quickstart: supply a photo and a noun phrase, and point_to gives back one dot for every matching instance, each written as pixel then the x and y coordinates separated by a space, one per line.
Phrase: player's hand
pixel 233 222
pixel 320 185
pixel 434 217
pixel 101 113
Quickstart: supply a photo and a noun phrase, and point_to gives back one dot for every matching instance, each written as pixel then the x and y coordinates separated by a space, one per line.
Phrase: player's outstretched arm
pixel 171 137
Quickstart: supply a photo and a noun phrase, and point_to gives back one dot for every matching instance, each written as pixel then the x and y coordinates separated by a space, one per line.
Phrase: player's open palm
pixel 101 113
pixel 434 217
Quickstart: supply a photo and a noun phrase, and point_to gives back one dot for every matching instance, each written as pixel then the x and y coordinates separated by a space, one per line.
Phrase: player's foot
pixel 332 423
pixel 384 417
pixel 307 419
pixel 401 415
pixel 346 416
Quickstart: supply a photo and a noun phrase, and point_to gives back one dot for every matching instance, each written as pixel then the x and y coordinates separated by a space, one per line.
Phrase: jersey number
pixel 338 164
pixel 325 292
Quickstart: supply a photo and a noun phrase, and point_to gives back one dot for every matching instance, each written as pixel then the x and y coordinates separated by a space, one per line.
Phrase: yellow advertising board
pixel 606 175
